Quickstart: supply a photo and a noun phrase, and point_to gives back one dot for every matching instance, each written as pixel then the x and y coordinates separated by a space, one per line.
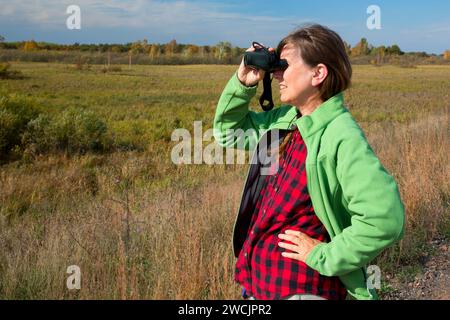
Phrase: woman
pixel 309 229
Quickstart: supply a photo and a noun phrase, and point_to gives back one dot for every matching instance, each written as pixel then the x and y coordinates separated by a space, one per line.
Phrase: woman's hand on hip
pixel 301 245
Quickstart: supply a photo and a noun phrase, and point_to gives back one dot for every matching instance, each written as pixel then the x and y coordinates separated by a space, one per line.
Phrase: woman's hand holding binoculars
pixel 249 76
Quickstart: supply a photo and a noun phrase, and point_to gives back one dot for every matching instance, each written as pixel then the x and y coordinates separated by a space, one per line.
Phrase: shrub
pixel 7 73
pixel 38 138
pixel 26 130
pixel 8 124
pixel 15 113
pixel 4 68
pixel 72 131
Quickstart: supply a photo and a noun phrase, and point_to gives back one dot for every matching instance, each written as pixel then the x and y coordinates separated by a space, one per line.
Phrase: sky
pixel 413 25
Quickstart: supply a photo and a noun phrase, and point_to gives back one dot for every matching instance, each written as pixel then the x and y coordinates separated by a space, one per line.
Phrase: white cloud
pixel 138 13
pixel 178 19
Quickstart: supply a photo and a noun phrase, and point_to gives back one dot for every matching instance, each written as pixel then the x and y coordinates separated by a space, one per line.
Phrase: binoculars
pixel 264 59
pixel 269 61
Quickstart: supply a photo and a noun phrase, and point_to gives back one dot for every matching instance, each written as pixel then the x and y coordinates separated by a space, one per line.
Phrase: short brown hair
pixel 319 44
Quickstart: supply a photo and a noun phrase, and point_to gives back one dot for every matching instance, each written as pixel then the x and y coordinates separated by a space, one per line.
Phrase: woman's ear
pixel 319 75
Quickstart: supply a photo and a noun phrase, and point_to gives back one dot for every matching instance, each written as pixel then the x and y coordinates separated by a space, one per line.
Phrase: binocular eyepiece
pixel 269 61
pixel 264 59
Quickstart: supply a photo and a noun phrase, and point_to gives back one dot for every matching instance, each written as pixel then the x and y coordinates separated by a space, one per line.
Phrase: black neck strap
pixel 267 93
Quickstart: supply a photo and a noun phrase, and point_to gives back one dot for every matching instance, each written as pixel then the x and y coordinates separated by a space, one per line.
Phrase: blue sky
pixel 413 25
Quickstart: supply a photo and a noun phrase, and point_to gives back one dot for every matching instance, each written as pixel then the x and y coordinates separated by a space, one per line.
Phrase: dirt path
pixel 433 283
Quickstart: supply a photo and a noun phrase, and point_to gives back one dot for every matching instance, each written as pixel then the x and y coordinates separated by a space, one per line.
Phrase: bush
pixel 4 68
pixel 15 114
pixel 8 124
pixel 72 131
pixel 38 137
pixel 7 73
pixel 26 130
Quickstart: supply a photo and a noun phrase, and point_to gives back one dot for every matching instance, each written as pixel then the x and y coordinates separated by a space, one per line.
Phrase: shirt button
pixel 251 232
pixel 245 255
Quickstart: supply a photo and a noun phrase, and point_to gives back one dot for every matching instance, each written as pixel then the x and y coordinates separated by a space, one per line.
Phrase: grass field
pixel 139 226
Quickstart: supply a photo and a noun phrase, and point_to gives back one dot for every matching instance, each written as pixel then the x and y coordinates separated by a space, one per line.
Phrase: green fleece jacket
pixel 353 195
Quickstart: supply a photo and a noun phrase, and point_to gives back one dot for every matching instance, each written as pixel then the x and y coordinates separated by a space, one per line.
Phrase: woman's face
pixel 296 82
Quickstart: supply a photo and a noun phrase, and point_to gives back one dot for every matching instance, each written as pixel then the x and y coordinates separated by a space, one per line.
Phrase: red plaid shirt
pixel 284 203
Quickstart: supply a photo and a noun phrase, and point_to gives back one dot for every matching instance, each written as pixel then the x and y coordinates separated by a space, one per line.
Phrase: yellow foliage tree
pixel 361 48
pixel 192 50
pixel 115 49
pixel 171 47
pixel 30 45
pixel 154 51
pixel 447 55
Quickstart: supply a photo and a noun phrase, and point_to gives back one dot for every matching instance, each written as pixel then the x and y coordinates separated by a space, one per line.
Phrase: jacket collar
pixel 322 116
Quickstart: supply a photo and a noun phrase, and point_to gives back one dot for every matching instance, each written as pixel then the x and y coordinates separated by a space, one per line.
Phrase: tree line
pixel 221 51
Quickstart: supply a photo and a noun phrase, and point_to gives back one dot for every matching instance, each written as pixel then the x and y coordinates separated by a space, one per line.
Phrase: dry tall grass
pixel 129 243
pixel 416 154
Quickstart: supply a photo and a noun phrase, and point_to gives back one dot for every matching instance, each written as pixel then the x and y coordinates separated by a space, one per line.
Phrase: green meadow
pixel 86 176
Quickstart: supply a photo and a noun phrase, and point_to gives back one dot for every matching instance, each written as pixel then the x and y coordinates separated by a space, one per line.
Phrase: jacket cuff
pixel 312 259
pixel 249 92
